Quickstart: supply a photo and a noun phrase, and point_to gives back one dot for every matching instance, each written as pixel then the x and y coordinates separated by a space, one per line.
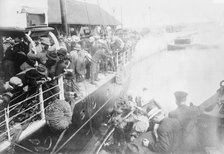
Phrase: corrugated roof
pixel 79 13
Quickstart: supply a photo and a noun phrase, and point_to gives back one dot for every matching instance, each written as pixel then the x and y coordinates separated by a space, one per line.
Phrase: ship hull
pixel 88 114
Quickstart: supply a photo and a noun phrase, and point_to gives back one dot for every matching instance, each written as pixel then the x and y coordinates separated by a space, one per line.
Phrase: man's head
pixel 180 97
pixel 45 43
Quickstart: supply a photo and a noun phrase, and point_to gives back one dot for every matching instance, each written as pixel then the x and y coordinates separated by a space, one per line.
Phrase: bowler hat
pixel 42 70
pixel 69 75
pixel 179 95
pixel 62 51
pixel 52 55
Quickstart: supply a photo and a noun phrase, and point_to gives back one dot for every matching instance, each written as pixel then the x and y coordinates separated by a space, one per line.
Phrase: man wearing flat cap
pixel 187 116
pixel 169 134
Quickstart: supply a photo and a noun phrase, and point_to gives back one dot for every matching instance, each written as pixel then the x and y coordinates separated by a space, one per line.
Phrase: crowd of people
pixel 27 62
pixel 149 130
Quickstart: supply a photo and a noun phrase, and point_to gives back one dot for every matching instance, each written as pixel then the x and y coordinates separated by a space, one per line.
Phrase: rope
pixel 13 100
pixel 59 115
pixel 18 104
pixel 2 116
pixel 52 96
pixel 38 93
pixel 24 111
pixel 24 100
pixel 81 127
pixel 59 139
pixel 32 97
pixel 3 134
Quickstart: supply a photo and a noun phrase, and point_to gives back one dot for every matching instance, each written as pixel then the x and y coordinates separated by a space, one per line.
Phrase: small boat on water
pixel 179 43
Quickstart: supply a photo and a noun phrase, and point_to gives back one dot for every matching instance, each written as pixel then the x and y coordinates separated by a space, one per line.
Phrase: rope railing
pixel 2 134
pixel 15 105
pixel 2 115
pixel 1 124
pixel 56 77
pixel 52 96
pixel 12 117
pixel 24 100
pixel 39 97
pixel 35 115
pixel 33 106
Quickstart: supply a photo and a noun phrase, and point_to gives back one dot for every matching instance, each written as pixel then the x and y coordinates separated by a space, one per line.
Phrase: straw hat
pixel 154 112
pixel 15 81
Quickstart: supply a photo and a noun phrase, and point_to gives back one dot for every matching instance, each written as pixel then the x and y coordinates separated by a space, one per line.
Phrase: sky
pixel 146 13
pixel 143 13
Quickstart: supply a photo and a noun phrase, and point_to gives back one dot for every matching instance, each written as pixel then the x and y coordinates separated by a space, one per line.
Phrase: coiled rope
pixel 59 115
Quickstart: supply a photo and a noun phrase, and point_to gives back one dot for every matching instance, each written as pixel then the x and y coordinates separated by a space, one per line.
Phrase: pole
pixel 64 17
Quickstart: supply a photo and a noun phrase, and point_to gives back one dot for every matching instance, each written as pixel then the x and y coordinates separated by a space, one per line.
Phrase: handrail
pixel 4 133
pixel 40 111
pixel 12 117
pixel 33 106
pixel 2 122
pixel 31 97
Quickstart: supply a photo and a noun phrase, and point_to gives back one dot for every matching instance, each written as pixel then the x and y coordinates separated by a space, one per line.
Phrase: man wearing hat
pixel 52 59
pixel 187 116
pixel 62 52
pixel 169 134
pixel 95 64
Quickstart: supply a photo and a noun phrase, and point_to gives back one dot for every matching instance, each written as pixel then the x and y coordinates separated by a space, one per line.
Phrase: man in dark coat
pixel 187 116
pixel 169 135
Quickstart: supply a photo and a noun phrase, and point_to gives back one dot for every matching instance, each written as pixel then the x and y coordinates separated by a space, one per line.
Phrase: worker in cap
pixel 180 96
pixel 187 116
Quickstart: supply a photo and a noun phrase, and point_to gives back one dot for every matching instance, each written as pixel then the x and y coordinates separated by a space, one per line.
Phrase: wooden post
pixel 64 16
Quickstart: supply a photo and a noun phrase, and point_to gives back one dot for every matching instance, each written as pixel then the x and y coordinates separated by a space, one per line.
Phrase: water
pixel 196 70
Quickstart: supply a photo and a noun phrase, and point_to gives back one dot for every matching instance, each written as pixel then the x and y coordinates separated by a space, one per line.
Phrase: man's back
pixel 169 136
pixel 185 114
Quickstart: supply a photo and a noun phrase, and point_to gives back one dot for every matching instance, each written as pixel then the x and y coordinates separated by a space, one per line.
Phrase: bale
pixel 59 115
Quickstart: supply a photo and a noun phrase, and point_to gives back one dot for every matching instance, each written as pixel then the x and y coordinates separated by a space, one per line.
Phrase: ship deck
pixel 86 88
